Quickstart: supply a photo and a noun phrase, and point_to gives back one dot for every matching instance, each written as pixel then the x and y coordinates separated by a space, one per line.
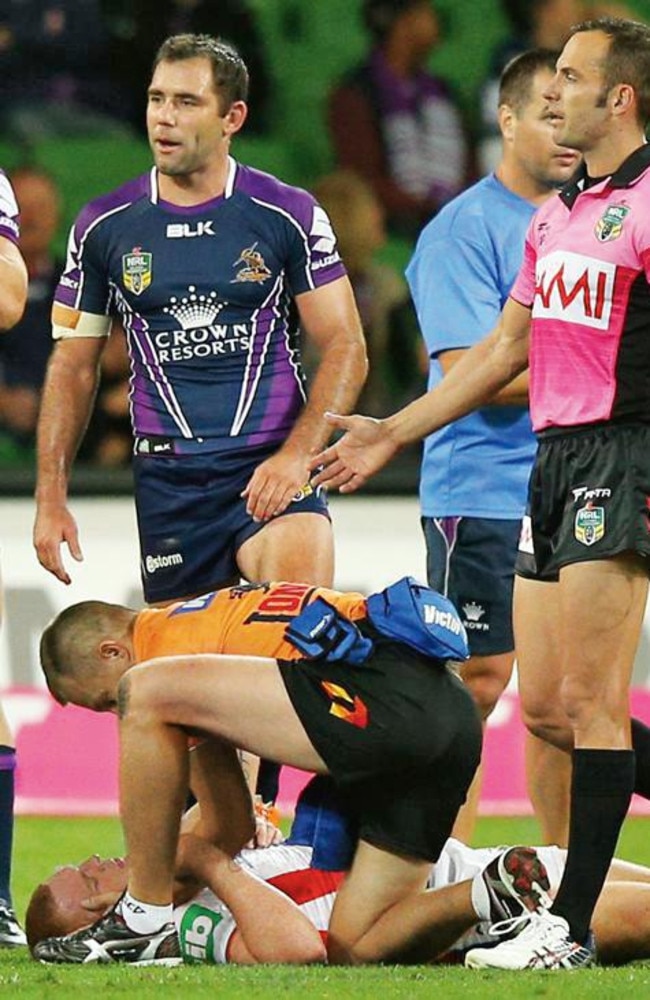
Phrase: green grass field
pixel 42 843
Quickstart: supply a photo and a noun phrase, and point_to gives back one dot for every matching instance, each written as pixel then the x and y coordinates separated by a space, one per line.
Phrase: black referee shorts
pixel 589 499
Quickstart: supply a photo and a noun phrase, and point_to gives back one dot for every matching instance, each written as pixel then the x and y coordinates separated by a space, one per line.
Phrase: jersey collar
pixel 628 172
pixel 154 192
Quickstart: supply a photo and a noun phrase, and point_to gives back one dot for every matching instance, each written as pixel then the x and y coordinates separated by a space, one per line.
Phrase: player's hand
pixel 55 525
pixel 267 831
pixel 275 483
pixel 365 447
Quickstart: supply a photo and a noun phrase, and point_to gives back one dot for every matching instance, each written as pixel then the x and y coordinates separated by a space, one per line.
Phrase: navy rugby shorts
pixel 471 560
pixel 192 520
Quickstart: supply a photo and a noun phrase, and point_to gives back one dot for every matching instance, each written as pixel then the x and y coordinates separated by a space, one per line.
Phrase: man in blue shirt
pixel 475 471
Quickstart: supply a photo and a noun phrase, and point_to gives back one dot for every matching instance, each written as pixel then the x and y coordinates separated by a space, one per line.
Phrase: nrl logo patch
pixel 137 270
pixel 589 524
pixel 254 268
pixel 610 226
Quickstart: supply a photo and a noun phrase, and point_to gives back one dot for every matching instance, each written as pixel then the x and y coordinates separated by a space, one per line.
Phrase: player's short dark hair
pixel 379 16
pixel 43 918
pixel 515 85
pixel 628 56
pixel 229 71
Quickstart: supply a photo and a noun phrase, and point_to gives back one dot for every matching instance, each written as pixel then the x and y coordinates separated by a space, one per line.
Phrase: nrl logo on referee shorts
pixel 589 524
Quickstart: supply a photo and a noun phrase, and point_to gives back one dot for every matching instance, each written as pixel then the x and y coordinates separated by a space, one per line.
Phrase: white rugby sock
pixel 143 918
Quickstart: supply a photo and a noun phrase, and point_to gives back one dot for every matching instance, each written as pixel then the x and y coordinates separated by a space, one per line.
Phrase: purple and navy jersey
pixel 8 210
pixel 205 294
pixel 586 277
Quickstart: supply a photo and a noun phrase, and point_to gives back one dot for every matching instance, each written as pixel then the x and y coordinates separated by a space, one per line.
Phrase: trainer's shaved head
pixel 73 645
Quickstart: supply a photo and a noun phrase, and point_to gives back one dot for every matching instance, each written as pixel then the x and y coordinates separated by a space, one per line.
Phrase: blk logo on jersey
pixel 253 269
pixel 137 270
pixel 610 226
pixel 589 524
pixel 574 288
pixel 346 707
pixel 186 230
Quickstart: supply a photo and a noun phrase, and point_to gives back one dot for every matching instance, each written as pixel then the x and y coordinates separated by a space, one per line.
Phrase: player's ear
pixel 506 117
pixel 622 98
pixel 111 649
pixel 235 117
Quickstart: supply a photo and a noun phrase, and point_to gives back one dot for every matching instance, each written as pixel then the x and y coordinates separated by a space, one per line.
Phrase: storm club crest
pixel 137 270
pixel 610 225
pixel 254 267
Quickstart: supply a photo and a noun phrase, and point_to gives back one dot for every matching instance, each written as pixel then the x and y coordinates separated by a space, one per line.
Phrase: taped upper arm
pixel 67 323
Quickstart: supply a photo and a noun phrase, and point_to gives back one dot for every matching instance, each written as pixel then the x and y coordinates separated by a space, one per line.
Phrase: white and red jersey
pixel 586 277
pixel 205 925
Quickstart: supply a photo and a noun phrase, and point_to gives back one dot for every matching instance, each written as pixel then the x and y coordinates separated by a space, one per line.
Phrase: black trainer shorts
pixel 400 735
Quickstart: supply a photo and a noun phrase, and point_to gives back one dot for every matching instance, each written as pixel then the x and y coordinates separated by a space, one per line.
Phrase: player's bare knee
pixel 341 952
pixel 486 685
pixel 543 730
pixel 486 689
pixel 542 719
pixel 581 701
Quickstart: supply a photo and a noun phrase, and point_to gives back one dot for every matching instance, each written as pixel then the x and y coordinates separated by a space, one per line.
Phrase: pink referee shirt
pixel 586 276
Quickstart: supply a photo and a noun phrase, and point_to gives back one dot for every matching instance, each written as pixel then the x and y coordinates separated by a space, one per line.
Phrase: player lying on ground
pixel 328 688
pixel 270 905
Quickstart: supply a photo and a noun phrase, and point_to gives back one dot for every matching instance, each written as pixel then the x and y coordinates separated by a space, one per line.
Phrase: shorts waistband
pixel 158 446
pixel 549 433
